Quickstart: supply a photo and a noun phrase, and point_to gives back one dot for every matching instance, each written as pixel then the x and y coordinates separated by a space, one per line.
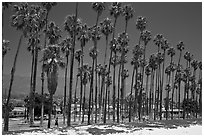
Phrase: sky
pixel 177 21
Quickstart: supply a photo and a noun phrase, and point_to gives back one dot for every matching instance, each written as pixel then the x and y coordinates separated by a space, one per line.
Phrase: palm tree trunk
pixel 75 106
pixel 71 70
pixel 162 86
pixel 84 98
pixel 90 93
pixel 43 75
pixel 118 106
pixel 50 111
pixel 6 118
pixel 81 86
pixel 147 81
pixel 114 88
pixel 34 87
pixel 130 103
pixel 172 97
pixel 136 92
pixel 104 83
pixel 65 88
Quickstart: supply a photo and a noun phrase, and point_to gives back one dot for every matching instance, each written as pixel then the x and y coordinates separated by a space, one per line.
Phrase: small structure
pixel 17 112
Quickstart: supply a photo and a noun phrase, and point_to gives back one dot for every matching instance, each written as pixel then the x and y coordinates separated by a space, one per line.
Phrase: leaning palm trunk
pixel 172 97
pixel 71 71
pixel 6 117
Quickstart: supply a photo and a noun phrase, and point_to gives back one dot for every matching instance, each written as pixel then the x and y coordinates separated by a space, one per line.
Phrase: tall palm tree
pixel 148 73
pixel 106 29
pixel 93 54
pixel 123 41
pixel 95 37
pixel 65 48
pixel 138 51
pixel 164 47
pixel 98 7
pixel 53 61
pixel 153 65
pixel 127 12
pixel 115 11
pixel 114 62
pixel 86 76
pixel 171 52
pixel 78 54
pixel 71 25
pixel 194 64
pixel 47 6
pixel 145 37
pixel 84 37
pixel 158 41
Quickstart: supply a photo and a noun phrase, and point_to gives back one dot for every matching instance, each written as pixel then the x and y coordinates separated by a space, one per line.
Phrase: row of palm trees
pixel 145 97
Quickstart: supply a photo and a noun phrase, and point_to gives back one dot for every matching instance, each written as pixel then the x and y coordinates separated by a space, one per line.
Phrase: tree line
pixel 148 82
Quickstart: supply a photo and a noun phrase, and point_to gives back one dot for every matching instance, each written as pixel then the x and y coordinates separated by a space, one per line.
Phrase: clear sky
pixel 176 21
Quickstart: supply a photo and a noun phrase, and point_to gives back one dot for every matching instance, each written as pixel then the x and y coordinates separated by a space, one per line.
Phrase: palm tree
pixel 194 64
pixel 171 52
pixel 158 41
pixel 123 41
pixel 86 76
pixel 99 7
pixel 53 61
pixel 138 51
pixel 78 54
pixel 93 54
pixel 145 37
pixel 95 33
pixel 71 25
pixel 127 12
pixel 164 47
pixel 180 47
pixel 147 72
pixel 47 6
pixel 115 11
pixel 152 65
pixel 141 24
pixel 106 29
pixel 65 48
pixel 84 37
